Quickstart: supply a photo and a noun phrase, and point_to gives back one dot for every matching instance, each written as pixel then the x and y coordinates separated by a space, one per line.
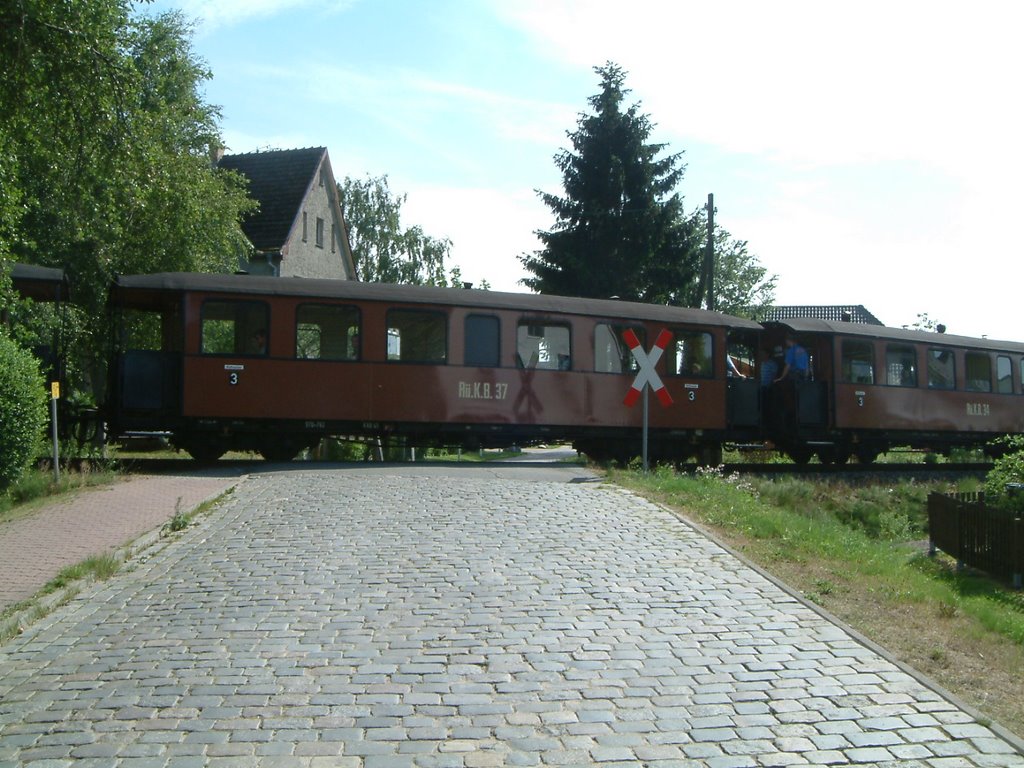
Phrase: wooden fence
pixel 964 527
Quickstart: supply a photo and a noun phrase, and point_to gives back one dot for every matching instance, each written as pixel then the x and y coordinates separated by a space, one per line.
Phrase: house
pixel 298 230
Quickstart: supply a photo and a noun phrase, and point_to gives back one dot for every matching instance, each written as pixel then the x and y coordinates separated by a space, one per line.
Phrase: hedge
pixel 22 409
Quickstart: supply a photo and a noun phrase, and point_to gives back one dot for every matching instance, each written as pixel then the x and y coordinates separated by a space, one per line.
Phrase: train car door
pixel 743 386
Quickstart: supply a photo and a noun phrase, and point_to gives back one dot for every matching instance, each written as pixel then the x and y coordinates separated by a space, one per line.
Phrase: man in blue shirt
pixel 796 362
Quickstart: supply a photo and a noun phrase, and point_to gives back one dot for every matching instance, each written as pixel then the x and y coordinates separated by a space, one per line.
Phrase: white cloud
pixel 489 228
pixel 807 80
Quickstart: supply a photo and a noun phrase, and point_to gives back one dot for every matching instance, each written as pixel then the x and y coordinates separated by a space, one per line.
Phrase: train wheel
pixel 710 455
pixel 204 450
pixel 866 454
pixel 280 450
pixel 800 455
pixel 833 455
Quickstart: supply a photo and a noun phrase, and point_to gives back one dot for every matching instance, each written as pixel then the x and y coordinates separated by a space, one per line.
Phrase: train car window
pixel 326 332
pixel 234 328
pixel 144 330
pixel 690 354
pixel 611 352
pixel 900 366
pixel 858 362
pixel 417 336
pixel 941 369
pixel 483 336
pixel 1004 375
pixel 743 359
pixel 979 371
pixel 543 346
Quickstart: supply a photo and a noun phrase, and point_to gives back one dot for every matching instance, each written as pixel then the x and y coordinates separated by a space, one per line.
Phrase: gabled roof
pixel 279 180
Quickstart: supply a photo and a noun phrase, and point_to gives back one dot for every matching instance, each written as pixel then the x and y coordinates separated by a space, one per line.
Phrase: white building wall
pixel 305 257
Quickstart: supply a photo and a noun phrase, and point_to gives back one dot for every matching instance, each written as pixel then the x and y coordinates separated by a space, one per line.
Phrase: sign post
pixel 647 377
pixel 54 396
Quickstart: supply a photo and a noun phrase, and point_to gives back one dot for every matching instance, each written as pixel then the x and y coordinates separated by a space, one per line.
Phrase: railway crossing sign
pixel 647 376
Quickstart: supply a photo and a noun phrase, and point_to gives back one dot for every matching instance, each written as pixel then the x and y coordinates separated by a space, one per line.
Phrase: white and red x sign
pixel 647 375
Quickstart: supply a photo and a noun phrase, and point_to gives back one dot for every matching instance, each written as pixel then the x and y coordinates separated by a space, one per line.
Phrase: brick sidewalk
pixel 95 521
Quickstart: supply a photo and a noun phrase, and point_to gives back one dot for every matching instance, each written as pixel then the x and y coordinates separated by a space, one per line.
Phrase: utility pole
pixel 709 255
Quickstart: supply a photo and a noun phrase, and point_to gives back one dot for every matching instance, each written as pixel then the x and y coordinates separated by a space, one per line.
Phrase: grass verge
pixel 860 552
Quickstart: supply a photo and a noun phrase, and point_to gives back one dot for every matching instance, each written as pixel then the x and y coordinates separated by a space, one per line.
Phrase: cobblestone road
pixel 359 618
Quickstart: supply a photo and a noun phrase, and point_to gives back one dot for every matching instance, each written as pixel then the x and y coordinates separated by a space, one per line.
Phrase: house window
pixel 305 229
pixel 319 232
pixel 543 346
pixel 326 332
pixel 334 239
pixel 234 328
pixel 416 336
pixel 941 369
pixel 611 353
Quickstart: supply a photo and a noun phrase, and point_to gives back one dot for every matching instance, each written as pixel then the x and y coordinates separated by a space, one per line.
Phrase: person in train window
pixel 258 345
pixel 770 366
pixel 795 362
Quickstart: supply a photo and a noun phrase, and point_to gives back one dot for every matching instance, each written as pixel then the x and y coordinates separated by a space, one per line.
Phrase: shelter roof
pixel 39 283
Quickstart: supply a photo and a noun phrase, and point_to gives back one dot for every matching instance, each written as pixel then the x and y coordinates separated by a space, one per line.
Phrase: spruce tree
pixel 619 230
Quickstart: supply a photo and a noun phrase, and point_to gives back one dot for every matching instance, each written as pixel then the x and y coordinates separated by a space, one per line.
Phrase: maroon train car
pixel 274 364
pixel 873 388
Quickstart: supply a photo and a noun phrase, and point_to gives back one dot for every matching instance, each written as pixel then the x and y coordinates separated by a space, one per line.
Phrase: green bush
pixel 1007 469
pixel 22 409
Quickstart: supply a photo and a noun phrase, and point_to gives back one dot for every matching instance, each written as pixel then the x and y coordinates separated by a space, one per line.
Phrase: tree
pixel 742 286
pixel 384 252
pixel 104 145
pixel 619 228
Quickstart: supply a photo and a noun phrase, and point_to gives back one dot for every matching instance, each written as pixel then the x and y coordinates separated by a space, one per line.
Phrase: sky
pixel 869 153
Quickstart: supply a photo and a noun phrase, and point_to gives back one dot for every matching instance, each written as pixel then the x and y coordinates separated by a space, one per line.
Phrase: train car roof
pixel 814 325
pixel 127 286
pixel 39 283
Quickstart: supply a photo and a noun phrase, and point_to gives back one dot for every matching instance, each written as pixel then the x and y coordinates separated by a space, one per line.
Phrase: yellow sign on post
pixel 55 395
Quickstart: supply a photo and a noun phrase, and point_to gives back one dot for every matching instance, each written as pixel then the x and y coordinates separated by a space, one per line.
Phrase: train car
pixel 275 364
pixel 872 388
